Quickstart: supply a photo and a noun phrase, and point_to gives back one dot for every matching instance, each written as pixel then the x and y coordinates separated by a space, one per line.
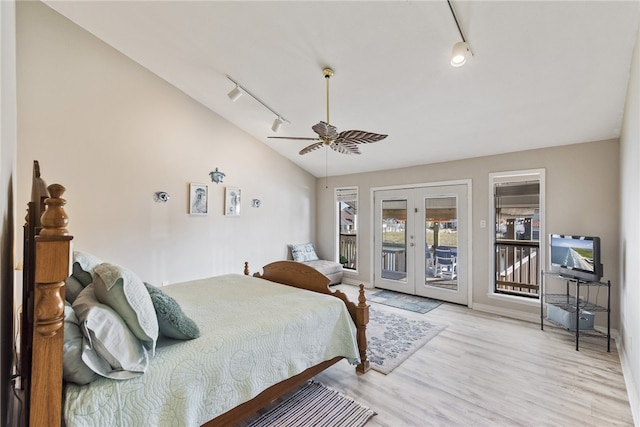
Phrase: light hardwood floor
pixel 487 370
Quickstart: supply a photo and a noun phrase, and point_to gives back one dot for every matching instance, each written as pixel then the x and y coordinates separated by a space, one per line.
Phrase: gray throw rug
pixel 316 405
pixel 404 301
pixel 392 338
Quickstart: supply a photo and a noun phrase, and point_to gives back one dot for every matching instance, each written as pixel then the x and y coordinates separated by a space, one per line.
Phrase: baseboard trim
pixel 633 389
pixel 513 314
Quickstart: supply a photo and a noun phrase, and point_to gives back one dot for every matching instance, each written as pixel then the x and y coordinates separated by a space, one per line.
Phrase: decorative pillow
pixel 302 253
pixel 81 274
pixel 109 348
pixel 74 369
pixel 124 291
pixel 172 321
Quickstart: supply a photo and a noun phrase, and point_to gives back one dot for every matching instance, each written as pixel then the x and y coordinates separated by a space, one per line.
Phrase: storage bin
pixel 568 320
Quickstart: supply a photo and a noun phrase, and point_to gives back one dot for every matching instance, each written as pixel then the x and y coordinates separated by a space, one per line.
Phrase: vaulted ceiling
pixel 543 73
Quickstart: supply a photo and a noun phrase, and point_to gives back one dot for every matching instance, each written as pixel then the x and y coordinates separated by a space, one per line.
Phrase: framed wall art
pixel 232 201
pixel 198 199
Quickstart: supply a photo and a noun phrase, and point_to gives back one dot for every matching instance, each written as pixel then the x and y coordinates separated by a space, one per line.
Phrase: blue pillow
pixel 172 321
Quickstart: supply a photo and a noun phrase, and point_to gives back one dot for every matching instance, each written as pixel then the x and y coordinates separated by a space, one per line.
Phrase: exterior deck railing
pixel 517 268
pixel 348 250
pixel 394 257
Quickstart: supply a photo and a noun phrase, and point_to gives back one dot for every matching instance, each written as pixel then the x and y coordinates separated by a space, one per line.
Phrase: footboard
pixel 302 276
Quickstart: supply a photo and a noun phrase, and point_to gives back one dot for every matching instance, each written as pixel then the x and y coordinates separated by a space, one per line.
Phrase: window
pixel 347 203
pixel 517 201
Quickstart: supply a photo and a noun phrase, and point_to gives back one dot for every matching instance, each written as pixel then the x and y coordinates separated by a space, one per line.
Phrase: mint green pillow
pixel 123 291
pixel 172 321
pixel 81 274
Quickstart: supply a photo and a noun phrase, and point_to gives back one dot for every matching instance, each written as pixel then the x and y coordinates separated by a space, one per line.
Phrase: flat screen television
pixel 576 257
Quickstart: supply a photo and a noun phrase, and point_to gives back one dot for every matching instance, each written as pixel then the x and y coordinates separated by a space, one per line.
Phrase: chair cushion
pixel 331 269
pixel 325 267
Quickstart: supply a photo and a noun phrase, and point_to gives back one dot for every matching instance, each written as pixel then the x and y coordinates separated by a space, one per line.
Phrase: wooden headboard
pixel 47 263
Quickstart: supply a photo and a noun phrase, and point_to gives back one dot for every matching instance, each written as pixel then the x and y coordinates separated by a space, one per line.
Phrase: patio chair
pixel 446 263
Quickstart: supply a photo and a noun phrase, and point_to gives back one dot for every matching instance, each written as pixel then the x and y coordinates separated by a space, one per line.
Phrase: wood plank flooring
pixel 487 370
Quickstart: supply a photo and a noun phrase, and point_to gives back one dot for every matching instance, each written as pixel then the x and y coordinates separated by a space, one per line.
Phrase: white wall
pixel 7 185
pixel 582 198
pixel 629 241
pixel 113 134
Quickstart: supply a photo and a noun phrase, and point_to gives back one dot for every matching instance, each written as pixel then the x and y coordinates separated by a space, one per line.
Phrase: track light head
pixel 235 93
pixel 459 54
pixel 277 124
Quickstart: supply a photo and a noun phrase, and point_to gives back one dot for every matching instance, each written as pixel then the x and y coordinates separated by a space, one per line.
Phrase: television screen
pixel 576 256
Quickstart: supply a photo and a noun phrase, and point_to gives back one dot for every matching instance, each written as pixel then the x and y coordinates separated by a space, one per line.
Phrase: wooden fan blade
pixel 345 148
pixel 297 138
pixel 325 130
pixel 359 137
pixel 311 148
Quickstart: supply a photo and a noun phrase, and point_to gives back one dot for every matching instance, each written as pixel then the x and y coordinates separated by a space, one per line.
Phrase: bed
pixel 201 387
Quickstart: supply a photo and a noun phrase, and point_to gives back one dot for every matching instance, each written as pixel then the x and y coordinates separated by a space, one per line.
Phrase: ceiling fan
pixel 345 142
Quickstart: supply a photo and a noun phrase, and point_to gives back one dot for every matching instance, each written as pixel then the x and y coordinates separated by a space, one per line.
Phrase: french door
pixel 421 241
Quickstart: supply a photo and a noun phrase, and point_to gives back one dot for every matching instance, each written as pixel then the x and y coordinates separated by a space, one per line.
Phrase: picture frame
pixel 232 201
pixel 198 199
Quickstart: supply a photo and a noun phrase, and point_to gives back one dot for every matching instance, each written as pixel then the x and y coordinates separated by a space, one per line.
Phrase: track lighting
pixel 237 91
pixel 460 49
pixel 277 123
pixel 459 54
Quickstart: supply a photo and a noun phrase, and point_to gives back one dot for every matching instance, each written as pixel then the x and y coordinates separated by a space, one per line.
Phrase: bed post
pixel 52 266
pixel 362 319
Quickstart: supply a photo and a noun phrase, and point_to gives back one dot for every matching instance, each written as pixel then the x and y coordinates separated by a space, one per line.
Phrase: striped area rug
pixel 316 405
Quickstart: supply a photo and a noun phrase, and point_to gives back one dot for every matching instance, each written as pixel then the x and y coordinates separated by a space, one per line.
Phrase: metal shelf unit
pixel 575 303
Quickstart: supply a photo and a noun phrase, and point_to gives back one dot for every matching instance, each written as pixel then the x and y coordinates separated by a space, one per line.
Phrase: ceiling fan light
pixel 459 54
pixel 235 93
pixel 277 124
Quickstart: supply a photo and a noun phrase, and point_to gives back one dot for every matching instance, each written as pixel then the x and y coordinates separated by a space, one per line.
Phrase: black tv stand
pixel 573 303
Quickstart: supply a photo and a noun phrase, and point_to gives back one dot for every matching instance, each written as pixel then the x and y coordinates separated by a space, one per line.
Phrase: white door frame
pixel 468 263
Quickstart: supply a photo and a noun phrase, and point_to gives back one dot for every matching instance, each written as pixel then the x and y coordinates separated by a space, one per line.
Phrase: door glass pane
pixel 441 241
pixel 394 240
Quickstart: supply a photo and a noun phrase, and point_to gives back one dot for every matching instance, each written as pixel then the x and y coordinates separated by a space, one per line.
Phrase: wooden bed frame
pixel 47 263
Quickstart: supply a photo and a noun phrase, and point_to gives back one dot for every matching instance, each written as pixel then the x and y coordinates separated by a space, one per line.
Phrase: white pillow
pixel 74 369
pixel 304 252
pixel 110 348
pixel 124 291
